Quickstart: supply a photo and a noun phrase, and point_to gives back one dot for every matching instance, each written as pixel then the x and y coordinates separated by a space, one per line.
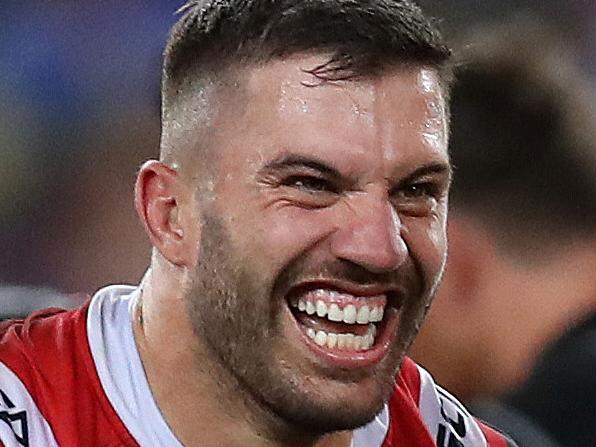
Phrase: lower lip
pixel 386 333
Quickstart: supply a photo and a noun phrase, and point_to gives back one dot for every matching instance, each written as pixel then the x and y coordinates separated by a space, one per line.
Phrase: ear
pixel 158 193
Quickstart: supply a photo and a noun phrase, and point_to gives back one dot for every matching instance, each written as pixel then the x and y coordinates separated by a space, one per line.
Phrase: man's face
pixel 328 198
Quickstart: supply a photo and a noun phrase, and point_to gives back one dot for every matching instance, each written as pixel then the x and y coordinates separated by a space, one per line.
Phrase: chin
pixel 340 415
pixel 323 406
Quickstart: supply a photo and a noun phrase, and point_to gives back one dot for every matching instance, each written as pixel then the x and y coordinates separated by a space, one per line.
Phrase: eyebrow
pixel 432 168
pixel 294 160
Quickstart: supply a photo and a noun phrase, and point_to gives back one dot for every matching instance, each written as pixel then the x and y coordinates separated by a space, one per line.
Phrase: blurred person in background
pixel 559 395
pixel 522 233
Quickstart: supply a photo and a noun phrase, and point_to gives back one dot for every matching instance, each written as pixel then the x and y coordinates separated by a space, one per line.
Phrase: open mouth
pixel 344 322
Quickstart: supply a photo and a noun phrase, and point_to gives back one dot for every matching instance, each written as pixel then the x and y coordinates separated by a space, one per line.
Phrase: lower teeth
pixel 347 342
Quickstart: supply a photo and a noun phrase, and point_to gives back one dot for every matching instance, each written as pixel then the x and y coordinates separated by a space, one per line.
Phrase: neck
pixel 198 403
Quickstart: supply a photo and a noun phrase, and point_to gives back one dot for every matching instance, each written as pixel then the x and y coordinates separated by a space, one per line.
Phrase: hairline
pixel 234 75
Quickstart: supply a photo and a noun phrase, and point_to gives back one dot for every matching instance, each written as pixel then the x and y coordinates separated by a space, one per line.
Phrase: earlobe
pixel 157 201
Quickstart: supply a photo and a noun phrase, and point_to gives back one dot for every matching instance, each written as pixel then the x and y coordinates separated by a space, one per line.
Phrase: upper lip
pixel 361 290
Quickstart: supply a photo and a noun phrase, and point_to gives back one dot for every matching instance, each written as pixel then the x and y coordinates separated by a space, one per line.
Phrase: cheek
pixel 427 241
pixel 278 236
pixel 298 229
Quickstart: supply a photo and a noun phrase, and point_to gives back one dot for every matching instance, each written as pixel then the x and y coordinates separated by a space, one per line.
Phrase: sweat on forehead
pixel 363 39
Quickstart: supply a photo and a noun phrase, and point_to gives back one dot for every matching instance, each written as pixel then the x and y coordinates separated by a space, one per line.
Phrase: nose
pixel 370 235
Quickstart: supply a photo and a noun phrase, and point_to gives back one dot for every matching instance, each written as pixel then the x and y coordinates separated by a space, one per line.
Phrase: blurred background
pixel 79 113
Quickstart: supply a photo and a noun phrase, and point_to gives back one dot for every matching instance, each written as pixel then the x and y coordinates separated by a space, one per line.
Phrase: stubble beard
pixel 237 319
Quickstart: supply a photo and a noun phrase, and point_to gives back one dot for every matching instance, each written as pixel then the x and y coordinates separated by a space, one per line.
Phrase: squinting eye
pixel 417 199
pixel 417 190
pixel 310 184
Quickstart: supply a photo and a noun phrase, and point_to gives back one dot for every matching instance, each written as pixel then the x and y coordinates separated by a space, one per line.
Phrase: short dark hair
pixel 523 139
pixel 364 37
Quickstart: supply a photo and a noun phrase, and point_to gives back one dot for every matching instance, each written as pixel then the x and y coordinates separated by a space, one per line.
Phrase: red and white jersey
pixel 75 379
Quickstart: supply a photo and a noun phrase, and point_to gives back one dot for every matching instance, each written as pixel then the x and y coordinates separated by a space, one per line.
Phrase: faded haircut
pixel 363 37
pixel 523 139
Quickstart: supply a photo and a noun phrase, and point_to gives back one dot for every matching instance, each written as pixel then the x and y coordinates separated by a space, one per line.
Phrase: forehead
pixel 393 118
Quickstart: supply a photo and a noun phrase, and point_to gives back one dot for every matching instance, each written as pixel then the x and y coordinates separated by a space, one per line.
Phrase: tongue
pixel 323 324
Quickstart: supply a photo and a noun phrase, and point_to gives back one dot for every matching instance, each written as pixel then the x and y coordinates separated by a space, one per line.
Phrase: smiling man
pixel 298 216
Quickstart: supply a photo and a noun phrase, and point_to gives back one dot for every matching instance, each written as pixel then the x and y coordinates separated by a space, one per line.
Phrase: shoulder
pixel 445 419
pixel 36 355
pixel 45 343
pixel 50 392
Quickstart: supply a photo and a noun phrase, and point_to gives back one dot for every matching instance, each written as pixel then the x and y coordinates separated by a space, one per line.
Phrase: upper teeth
pixel 349 314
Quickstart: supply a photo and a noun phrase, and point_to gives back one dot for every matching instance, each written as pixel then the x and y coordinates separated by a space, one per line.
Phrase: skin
pixel 342 182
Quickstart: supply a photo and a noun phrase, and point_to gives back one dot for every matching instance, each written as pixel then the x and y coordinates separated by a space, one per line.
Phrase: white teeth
pixel 345 342
pixel 335 313
pixel 349 341
pixel 321 338
pixel 364 343
pixel 341 341
pixel 372 316
pixel 301 305
pixel 363 315
pixel 321 308
pixel 350 314
pixel 376 314
pixel 367 341
pixel 331 340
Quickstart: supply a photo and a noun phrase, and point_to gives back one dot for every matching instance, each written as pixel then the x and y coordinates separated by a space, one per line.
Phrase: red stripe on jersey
pixel 406 428
pixel 49 352
pixel 493 437
pixel 410 377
